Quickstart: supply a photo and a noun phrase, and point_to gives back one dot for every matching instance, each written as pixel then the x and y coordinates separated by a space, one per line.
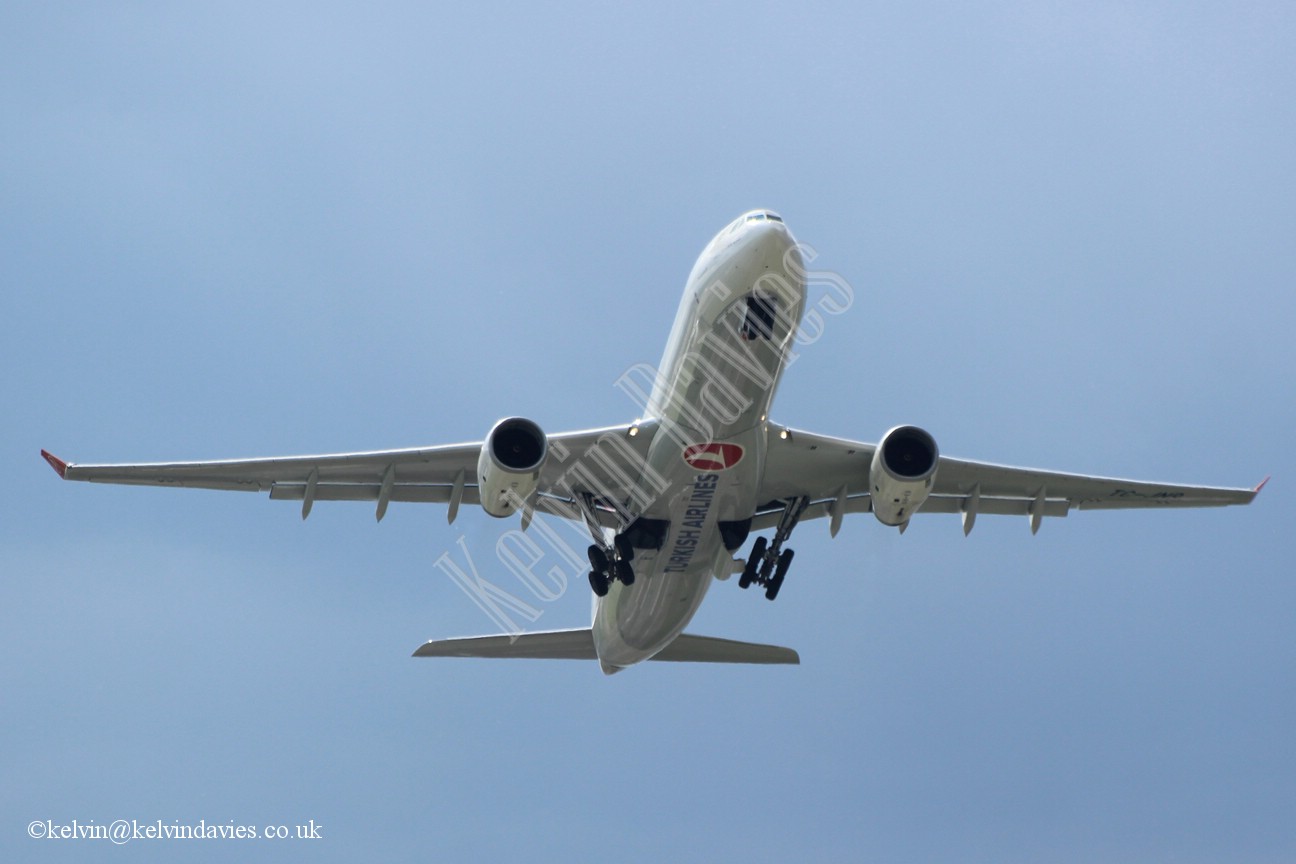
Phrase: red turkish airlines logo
pixel 713 456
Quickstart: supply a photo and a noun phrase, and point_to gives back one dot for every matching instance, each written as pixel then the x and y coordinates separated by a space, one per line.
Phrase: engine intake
pixel 508 468
pixel 902 473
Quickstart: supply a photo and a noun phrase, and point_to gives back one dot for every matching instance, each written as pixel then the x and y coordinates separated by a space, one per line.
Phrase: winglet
pixel 56 463
pixel 1256 491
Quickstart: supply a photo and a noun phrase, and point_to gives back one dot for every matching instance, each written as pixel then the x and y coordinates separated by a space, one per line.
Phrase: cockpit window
pixel 762 215
pixel 774 217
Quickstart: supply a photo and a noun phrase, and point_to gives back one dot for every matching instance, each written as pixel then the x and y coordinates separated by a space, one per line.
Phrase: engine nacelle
pixel 508 468
pixel 902 473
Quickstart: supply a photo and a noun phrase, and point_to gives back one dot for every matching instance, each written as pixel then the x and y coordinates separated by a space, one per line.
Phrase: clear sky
pixel 239 229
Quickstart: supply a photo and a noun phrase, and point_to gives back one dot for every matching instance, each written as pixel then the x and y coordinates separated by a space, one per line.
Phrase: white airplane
pixel 670 498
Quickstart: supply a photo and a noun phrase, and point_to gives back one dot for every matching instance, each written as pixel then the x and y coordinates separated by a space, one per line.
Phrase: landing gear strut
pixel 768 563
pixel 608 562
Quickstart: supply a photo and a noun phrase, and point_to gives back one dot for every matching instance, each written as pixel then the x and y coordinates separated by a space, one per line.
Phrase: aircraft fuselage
pixel 710 401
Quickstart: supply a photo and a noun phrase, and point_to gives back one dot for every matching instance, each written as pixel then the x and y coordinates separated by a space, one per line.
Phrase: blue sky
pixel 247 231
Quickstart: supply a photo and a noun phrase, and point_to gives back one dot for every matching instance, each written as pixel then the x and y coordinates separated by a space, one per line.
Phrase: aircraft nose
pixel 772 237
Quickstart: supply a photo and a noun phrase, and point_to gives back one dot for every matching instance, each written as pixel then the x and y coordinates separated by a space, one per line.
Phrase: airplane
pixel 670 498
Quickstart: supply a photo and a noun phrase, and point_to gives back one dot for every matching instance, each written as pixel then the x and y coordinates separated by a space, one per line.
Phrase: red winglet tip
pixel 1262 483
pixel 56 463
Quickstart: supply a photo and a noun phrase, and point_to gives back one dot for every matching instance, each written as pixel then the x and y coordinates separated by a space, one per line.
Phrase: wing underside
pixel 601 462
pixel 832 474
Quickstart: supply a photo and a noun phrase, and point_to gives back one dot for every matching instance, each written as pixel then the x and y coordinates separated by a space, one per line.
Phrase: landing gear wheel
pixel 598 559
pixel 753 561
pixel 624 550
pixel 767 565
pixel 599 583
pixel 624 572
pixel 784 561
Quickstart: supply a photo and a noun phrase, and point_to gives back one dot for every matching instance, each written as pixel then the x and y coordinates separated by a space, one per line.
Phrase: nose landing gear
pixel 768 563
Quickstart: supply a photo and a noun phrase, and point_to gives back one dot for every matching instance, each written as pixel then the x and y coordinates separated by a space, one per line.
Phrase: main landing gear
pixel 605 567
pixel 768 562
pixel 608 563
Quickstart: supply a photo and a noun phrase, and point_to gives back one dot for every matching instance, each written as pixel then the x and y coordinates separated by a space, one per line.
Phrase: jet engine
pixel 901 476
pixel 508 468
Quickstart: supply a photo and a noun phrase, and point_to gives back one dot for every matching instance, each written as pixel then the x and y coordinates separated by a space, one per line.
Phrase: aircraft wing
pixel 833 474
pixel 600 461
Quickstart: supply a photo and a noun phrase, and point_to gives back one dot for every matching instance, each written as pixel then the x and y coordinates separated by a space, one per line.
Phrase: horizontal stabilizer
pixel 543 645
pixel 707 649
pixel 579 645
